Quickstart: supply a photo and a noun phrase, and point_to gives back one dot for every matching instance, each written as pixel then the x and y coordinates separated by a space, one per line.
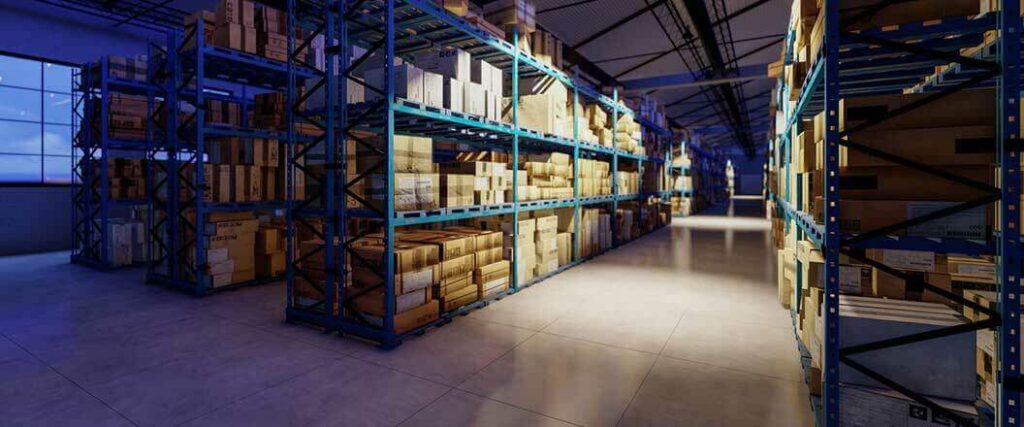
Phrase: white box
pixel 482 73
pixel 408 83
pixel 433 89
pixel 474 99
pixel 453 94
pixel 451 62
pixel 498 82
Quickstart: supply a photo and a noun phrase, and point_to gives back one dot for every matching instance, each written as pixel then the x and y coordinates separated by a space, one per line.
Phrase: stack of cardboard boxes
pixel 417 185
pixel 126 116
pixel 595 232
pixel 270 250
pixel 244 171
pixel 230 239
pixel 595 179
pixel 482 177
pixel 449 78
pixel 551 173
pixel 457 261
pixel 629 182
pixel 126 242
pixel 271 33
pixel 628 136
pixel 223 112
pixel 119 67
pixel 543 107
pixel 417 272
pixel 546 241
pixel 126 177
pixel 492 272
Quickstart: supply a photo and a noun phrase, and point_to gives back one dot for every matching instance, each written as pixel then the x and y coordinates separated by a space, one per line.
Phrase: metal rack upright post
pixel 388 29
pixel 93 145
pixel 198 71
pixel 886 61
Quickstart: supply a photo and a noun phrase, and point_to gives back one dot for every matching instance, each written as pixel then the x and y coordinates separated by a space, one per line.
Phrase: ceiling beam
pixel 748 72
pixel 617 24
pixel 564 6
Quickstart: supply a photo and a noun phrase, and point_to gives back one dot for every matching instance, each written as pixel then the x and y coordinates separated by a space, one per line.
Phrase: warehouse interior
pixel 510 212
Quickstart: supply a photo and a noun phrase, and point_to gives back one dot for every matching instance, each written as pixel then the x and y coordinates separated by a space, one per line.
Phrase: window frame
pixel 42 155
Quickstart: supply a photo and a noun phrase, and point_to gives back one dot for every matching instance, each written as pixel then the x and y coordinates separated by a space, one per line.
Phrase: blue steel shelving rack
pixel 192 70
pixel 887 62
pixel 709 167
pixel 92 205
pixel 391 28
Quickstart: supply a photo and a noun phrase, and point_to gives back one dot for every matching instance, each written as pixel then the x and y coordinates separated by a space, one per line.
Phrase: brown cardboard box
pixel 457 190
pixel 249 40
pixel 269 240
pixel 901 183
pixel 411 191
pixel 859 216
pixel 488 256
pixel 969 145
pixel 889 286
pixel 417 317
pixel 253 179
pixel 965 108
pixel 229 36
pixel 450 245
pixel 229 12
pixel 564 248
pixel 409 256
pixel 492 278
pixel 270 264
pixel 405 282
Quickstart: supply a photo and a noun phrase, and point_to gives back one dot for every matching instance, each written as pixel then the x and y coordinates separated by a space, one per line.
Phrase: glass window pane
pixel 57 77
pixel 20 72
pixel 56 108
pixel 57 140
pixel 20 138
pixel 18 168
pixel 56 169
pixel 19 104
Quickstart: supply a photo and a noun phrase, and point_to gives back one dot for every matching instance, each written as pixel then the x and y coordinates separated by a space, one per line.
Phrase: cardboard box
pixel 481 73
pixel 871 406
pixel 890 286
pixel 564 249
pixel 964 108
pixel 859 216
pixel 901 183
pixel 457 190
pixel 412 191
pixel 967 145
pixel 270 264
pixel 229 36
pixel 474 99
pixel 433 89
pixel 408 83
pixel 412 154
pixel 453 94
pixel 450 62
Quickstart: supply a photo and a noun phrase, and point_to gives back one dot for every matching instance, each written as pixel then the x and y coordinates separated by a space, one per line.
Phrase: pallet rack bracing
pixel 894 60
pixel 327 219
pixel 96 209
pixel 187 73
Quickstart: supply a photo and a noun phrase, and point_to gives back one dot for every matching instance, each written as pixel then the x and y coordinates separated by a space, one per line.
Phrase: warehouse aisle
pixel 680 327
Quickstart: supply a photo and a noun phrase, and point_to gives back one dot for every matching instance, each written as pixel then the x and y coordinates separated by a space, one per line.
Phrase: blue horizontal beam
pixel 749 72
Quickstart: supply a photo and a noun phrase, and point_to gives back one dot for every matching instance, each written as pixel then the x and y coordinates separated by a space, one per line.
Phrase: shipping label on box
pixel 970 224
pixel 452 63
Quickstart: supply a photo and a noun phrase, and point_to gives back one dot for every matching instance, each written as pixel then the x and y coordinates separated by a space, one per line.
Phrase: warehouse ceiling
pixel 647 38
pixel 619 41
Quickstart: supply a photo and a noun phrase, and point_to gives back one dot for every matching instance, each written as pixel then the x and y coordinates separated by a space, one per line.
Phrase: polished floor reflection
pixel 680 328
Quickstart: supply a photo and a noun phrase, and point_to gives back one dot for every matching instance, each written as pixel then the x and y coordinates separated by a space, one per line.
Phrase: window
pixel 35 121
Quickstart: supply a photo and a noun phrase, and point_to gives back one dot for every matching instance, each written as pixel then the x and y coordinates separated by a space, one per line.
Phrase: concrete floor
pixel 680 328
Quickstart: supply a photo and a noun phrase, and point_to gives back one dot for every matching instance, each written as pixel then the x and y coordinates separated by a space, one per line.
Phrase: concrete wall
pixel 35 219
